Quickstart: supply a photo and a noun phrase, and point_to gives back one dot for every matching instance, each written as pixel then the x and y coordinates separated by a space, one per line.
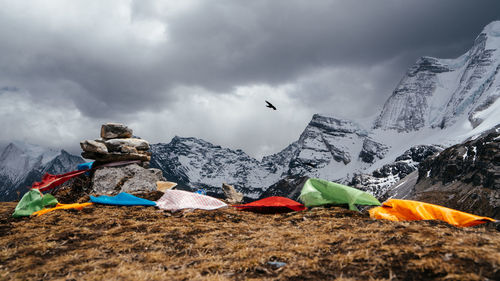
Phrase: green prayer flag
pixel 317 192
pixel 33 201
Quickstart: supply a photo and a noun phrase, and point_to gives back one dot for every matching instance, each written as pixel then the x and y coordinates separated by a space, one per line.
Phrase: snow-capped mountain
pixel 196 163
pixel 21 164
pixel 328 148
pixel 438 103
pixel 441 92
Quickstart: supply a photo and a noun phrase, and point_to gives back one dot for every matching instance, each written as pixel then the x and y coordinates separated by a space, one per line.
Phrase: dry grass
pixel 143 243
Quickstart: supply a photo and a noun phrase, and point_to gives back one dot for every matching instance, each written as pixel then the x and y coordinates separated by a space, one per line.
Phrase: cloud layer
pixel 204 68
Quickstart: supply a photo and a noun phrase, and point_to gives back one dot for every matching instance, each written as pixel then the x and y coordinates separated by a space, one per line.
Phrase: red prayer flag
pixel 50 181
pixel 274 204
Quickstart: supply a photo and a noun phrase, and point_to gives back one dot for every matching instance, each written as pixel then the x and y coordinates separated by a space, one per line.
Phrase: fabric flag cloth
pixel 33 201
pixel 317 192
pixel 408 210
pixel 60 206
pixel 50 181
pixel 174 200
pixel 272 205
pixel 122 199
pixel 85 166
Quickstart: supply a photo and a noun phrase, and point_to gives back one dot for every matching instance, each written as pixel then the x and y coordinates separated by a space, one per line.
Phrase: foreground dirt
pixel 144 243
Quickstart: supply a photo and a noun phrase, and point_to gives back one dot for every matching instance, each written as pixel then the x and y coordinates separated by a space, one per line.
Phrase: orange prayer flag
pixel 408 210
pixel 76 206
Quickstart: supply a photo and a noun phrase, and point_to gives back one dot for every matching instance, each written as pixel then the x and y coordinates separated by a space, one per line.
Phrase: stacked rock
pixel 116 144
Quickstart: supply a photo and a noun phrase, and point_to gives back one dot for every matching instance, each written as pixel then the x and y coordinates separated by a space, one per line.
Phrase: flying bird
pixel 270 105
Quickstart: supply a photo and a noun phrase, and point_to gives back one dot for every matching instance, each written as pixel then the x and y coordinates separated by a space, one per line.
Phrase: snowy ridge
pixel 437 93
pixel 18 158
pixel 328 148
pixel 21 164
pixel 199 164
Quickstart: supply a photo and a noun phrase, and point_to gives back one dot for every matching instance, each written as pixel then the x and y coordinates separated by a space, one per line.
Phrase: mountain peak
pixel 335 124
pixel 443 92
pixel 492 29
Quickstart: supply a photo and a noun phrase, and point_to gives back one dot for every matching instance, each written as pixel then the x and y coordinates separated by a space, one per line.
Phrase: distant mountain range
pixel 21 164
pixel 438 103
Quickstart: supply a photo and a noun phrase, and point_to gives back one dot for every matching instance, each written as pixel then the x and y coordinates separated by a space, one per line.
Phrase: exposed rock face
pixel 232 196
pixel 129 178
pixel 115 130
pixel 381 180
pixel 407 107
pixel 429 96
pixel 464 177
pixel 289 187
pixel 372 150
pixel 418 153
pixel 476 162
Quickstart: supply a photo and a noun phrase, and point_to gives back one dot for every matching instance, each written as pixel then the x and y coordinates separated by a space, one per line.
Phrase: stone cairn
pixel 117 144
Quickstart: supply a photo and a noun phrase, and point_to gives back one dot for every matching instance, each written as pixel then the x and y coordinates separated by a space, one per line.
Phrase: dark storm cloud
pixel 117 60
pixel 225 43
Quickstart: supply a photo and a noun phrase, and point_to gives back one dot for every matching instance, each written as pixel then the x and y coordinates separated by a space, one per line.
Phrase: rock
pixel 419 153
pixel 115 156
pixel 115 130
pixel 232 196
pixel 372 151
pixel 93 146
pixel 130 178
pixel 128 149
pixel 289 187
pixel 114 145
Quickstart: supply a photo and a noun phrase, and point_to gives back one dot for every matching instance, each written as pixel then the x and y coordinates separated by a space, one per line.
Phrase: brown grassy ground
pixel 144 243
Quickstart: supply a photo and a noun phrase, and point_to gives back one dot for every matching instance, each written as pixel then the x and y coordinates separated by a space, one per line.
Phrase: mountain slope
pixel 21 164
pixel 440 92
pixel 328 148
pixel 465 176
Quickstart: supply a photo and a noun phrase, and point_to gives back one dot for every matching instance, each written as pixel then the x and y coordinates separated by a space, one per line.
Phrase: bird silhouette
pixel 270 105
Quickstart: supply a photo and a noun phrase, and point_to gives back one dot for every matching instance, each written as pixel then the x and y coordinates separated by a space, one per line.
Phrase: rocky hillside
pixel 328 146
pixel 22 164
pixel 381 180
pixel 465 177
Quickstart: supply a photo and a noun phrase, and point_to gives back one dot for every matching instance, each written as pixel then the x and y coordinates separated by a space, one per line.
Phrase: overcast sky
pixel 204 68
